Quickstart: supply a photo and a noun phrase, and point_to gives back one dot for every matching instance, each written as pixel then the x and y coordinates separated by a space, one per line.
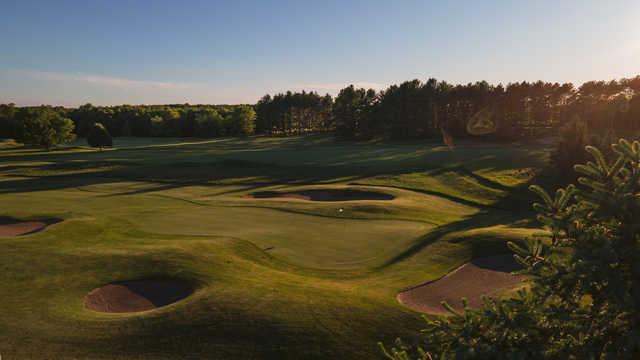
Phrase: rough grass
pixel 275 278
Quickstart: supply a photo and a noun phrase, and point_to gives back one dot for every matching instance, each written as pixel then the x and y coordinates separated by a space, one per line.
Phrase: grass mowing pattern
pixel 274 278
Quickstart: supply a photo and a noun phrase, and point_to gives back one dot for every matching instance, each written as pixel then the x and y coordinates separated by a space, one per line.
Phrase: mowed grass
pixel 274 278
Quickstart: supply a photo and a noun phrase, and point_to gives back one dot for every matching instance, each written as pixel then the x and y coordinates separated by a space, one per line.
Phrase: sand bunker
pixel 483 276
pixel 325 195
pixel 14 227
pixel 138 295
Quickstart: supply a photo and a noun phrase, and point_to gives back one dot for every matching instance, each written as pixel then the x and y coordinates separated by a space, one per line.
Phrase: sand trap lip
pixel 325 195
pixel 136 295
pixel 14 227
pixel 482 276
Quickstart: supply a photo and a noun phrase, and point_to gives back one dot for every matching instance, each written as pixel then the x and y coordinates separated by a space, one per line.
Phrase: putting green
pixel 305 240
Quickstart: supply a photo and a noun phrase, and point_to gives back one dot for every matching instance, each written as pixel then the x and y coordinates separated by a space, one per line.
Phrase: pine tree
pixel 569 151
pixel 584 302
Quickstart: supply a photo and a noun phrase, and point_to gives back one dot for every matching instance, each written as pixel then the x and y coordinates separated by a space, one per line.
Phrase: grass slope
pixel 274 278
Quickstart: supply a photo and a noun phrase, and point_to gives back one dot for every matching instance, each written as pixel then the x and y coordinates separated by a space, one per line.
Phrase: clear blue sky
pixel 114 52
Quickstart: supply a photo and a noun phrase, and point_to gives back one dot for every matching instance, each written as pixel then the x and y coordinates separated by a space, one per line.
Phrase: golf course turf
pixel 267 277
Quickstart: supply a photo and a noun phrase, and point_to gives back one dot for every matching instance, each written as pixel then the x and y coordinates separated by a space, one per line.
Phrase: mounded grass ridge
pixel 276 278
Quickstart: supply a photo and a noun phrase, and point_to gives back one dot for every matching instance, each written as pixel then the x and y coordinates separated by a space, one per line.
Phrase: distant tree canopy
pixel 99 137
pixel 209 123
pixel 416 110
pixel 351 112
pixel 570 150
pixel 410 110
pixel 42 126
pixel 165 120
pixel 7 121
pixel 294 113
pixel 241 121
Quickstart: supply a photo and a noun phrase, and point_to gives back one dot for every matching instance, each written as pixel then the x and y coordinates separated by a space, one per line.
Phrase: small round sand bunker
pixel 14 227
pixel 482 276
pixel 137 295
pixel 325 195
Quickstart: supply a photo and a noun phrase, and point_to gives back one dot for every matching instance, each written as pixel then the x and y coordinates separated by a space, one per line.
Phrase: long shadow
pixel 494 215
pixel 58 182
pixel 484 219
pixel 483 180
pixel 267 163
pixel 16 167
pixel 513 194
pixel 145 190
pixel 428 192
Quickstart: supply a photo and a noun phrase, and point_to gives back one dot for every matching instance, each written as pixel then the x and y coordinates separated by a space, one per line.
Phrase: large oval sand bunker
pixel 482 276
pixel 14 227
pixel 138 295
pixel 325 195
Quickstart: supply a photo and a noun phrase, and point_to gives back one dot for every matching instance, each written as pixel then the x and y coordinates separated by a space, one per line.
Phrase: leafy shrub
pixel 43 126
pixel 209 124
pixel 241 122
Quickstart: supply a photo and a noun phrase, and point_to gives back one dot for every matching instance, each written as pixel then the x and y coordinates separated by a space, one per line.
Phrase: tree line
pixel 166 120
pixel 416 109
pixel 138 120
pixel 294 113
pixel 411 110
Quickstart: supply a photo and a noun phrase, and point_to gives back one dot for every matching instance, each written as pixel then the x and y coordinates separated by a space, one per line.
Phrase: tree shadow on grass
pixel 427 192
pixel 269 163
pixel 515 208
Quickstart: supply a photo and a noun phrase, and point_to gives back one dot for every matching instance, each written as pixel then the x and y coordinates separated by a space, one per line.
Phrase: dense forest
pixel 142 120
pixel 411 110
pixel 416 109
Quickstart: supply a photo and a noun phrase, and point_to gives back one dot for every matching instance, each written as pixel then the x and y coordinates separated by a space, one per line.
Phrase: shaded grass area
pixel 274 278
pixel 266 160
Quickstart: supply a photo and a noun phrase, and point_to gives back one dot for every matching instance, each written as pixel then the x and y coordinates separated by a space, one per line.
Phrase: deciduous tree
pixel 99 137
pixel 43 126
